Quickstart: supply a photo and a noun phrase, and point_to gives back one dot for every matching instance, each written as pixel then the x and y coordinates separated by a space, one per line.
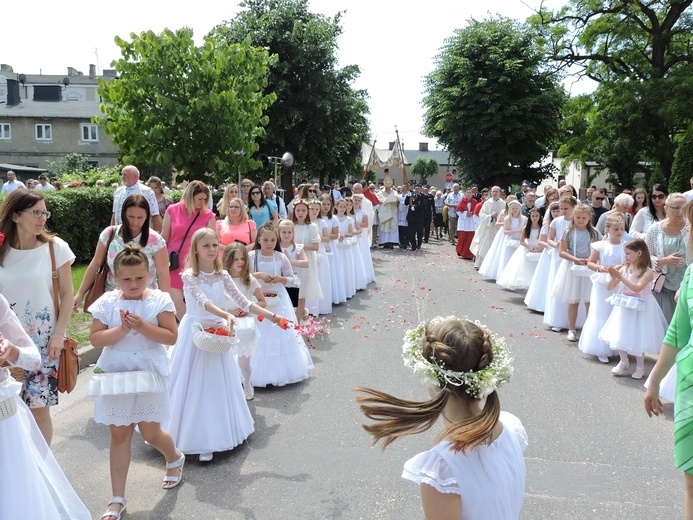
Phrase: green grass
pixel 80 323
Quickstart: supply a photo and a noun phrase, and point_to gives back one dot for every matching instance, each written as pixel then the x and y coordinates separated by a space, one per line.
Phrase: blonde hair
pixel 192 189
pixel 286 223
pixel 229 257
pixel 193 260
pixel 224 209
pixel 458 345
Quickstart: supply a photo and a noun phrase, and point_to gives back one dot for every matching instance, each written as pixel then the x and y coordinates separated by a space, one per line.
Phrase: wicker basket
pixel 16 372
pixel 8 408
pixel 212 342
pixel 272 301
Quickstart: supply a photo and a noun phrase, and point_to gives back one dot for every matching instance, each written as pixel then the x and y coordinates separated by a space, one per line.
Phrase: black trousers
pixel 416 233
pixel 403 235
pixel 427 229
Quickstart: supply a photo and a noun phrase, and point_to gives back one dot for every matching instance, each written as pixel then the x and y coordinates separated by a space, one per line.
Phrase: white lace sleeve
pixel 286 268
pixel 430 468
pixel 233 294
pixel 314 233
pixel 12 330
pixel 191 284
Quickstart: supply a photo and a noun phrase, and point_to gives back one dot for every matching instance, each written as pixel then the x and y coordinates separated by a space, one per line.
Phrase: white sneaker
pixel 572 336
pixel 603 359
pixel 556 329
pixel 206 457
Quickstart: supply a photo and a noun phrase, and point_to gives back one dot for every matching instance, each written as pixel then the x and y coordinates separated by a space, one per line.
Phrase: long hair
pixel 157 182
pixel 584 208
pixel 304 202
pixel 243 213
pixel 286 223
pixel 650 204
pixel 635 245
pixel 193 260
pixel 230 253
pixel 16 202
pixel 328 198
pixel 130 256
pixel 645 202
pixel 223 203
pixel 135 201
pixel 460 346
pixel 262 201
pixel 192 189
pixel 528 227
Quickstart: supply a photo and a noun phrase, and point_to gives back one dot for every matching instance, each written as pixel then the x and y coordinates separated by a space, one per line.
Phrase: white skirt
pixel 569 287
pixel 209 412
pixel 365 250
pixel 323 305
pixel 600 310
pixel 360 280
pixel 489 266
pixel 519 271
pixel 535 299
pixel 282 357
pixel 346 262
pixel 247 334
pixel 337 279
pixel 33 485
pixel 636 332
pixel 556 311
pixel 667 388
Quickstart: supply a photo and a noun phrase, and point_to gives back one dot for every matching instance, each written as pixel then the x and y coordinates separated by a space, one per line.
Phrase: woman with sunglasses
pixel 261 210
pixel 306 192
pixel 654 212
pixel 27 283
pixel 235 225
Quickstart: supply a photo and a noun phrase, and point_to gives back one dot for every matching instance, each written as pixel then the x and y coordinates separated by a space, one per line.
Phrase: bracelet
pixel 274 315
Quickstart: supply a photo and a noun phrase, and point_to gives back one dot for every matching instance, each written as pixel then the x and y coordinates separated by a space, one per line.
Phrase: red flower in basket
pixel 2 238
pixel 259 318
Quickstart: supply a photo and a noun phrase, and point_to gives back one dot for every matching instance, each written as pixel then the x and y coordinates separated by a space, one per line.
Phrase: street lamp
pixel 286 161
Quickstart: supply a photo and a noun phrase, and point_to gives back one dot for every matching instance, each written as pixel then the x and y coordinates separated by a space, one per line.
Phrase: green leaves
pixel 199 109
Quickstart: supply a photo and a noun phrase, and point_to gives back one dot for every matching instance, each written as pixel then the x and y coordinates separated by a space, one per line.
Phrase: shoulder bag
pixel 174 256
pixel 99 286
pixel 68 367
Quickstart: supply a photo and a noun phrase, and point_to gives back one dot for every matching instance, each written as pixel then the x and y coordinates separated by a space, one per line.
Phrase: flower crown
pixel 479 384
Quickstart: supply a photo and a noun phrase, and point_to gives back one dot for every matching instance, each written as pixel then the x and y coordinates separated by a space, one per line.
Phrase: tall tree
pixel 424 168
pixel 199 109
pixel 645 49
pixel 319 116
pixel 490 102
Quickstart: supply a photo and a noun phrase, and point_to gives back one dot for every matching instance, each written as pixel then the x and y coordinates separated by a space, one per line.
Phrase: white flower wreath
pixel 478 384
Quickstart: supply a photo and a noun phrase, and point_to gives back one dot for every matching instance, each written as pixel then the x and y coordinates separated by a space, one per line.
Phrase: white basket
pixel 211 342
pixel 8 408
pixel 124 383
pixel 272 301
pixel 581 270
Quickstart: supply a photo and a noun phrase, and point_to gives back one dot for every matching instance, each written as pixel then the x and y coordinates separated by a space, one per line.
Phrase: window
pixel 5 132
pixel 90 132
pixel 43 133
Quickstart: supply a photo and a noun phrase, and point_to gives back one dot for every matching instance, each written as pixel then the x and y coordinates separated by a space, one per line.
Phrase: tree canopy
pixel 199 109
pixel 640 53
pixel 424 167
pixel 319 116
pixel 492 104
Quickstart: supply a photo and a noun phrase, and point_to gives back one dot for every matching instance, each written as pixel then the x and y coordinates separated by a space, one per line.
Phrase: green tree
pixel 424 168
pixel 682 170
pixel 319 115
pixel 644 49
pixel 490 102
pixel 71 163
pixel 200 109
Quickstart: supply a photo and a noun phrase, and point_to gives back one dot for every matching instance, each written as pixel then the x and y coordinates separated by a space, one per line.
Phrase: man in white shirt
pixel 43 184
pixel 131 186
pixel 451 201
pixel 12 183
pixel 268 191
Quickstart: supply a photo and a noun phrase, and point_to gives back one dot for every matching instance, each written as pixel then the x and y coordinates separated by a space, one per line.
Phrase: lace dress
pixel 324 304
pixel 339 288
pixel 490 479
pixel 282 357
pixel 35 486
pixel 209 412
pixel 246 327
pixel 132 352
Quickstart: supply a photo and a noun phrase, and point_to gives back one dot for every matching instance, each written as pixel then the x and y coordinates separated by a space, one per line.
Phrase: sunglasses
pixel 312 191
pixel 660 196
pixel 598 198
pixel 255 193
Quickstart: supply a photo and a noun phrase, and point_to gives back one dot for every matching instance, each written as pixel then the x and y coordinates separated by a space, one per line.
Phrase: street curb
pixel 88 356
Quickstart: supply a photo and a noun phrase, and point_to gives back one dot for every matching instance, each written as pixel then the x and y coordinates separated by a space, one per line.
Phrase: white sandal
pixel 175 480
pixel 115 514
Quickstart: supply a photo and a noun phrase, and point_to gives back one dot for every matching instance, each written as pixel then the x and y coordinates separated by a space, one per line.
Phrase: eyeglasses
pixel 234 207
pixel 677 208
pixel 659 196
pixel 37 213
pixel 598 198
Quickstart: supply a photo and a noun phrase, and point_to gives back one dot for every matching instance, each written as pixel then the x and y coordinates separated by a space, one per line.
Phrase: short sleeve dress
pixel 180 222
pixel 132 352
pixel 490 479
pixel 154 242
pixel 229 233
pixel 310 282
pixel 26 282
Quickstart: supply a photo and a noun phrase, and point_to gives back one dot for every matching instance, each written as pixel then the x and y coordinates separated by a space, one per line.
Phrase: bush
pixel 682 169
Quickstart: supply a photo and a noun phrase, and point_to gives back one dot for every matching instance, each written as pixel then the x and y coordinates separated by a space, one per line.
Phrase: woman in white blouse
pixel 654 212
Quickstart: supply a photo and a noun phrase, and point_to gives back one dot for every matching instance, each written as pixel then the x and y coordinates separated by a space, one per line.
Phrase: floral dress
pixel 26 282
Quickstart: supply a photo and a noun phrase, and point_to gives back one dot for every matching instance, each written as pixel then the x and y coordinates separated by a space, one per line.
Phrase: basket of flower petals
pixel 272 300
pixel 213 337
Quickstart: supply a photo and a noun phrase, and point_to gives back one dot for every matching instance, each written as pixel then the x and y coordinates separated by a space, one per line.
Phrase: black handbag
pixel 174 256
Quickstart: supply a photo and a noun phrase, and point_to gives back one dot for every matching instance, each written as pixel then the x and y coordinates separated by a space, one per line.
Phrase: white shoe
pixel 572 336
pixel 556 329
pixel 620 370
pixel 638 374
pixel 206 457
pixel 603 359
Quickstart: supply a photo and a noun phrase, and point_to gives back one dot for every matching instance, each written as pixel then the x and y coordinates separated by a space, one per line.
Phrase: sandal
pixel 178 464
pixel 115 514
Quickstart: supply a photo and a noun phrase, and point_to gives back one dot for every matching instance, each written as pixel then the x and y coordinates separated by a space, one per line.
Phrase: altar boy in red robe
pixel 466 224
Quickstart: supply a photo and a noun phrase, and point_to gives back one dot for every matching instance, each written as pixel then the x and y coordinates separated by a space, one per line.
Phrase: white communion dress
pixel 519 270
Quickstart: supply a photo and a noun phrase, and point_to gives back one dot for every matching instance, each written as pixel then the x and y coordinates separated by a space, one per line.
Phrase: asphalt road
pixel 593 453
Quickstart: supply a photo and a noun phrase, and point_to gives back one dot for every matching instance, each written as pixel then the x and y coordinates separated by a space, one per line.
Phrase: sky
pixel 394 46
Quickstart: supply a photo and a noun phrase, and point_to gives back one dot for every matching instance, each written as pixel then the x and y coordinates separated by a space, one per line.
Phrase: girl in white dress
pixel 519 270
pixel 35 486
pixel 512 232
pixel 364 247
pixel 324 304
pixel 636 325
pixel 209 412
pixel 343 246
pixel 132 325
pixel 605 253
pixel 489 265
pixel 307 234
pixel 572 284
pixel 536 293
pixel 297 258
pixel 337 279
pixel 282 357
pixel 477 469
pixel 360 279
pixel 236 262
